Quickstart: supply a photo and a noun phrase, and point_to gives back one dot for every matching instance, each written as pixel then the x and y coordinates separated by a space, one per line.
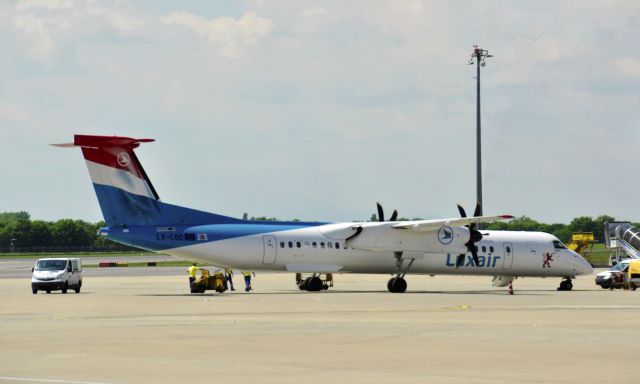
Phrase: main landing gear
pixel 566 284
pixel 314 282
pixel 398 284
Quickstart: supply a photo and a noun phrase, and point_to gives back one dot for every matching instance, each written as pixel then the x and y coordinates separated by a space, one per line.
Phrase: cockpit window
pixel 557 244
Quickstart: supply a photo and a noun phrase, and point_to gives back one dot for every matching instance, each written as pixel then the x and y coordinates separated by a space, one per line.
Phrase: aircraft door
pixel 270 249
pixel 508 256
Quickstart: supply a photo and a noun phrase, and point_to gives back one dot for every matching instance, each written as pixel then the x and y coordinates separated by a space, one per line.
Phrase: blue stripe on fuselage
pixel 149 237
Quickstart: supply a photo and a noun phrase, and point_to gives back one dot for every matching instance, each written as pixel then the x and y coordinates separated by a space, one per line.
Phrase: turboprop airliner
pixel 135 215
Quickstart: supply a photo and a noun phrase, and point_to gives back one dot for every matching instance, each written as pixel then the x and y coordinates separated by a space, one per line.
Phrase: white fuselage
pixel 501 253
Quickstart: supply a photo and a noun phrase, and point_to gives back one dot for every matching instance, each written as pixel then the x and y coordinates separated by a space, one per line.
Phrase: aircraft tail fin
pixel 125 193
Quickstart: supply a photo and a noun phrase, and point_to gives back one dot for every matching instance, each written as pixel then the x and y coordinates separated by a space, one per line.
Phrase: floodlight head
pixel 483 64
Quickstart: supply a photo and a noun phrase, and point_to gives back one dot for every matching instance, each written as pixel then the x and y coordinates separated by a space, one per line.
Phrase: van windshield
pixel 51 265
pixel 619 267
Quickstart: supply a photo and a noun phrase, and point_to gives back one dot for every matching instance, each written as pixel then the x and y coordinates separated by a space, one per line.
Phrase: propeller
pixel 474 237
pixel 393 217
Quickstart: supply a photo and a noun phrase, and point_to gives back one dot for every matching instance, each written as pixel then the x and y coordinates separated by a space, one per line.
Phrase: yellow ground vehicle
pixel 581 243
pixel 633 275
pixel 206 282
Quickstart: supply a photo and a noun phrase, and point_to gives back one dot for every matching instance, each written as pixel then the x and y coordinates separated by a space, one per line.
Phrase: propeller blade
pixel 474 254
pixel 478 210
pixel 380 212
pixel 461 210
pixel 474 236
pixel 460 260
pixel 394 215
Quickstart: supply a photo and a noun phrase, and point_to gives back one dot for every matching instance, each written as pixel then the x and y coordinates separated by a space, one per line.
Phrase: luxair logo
pixel 124 159
pixel 445 235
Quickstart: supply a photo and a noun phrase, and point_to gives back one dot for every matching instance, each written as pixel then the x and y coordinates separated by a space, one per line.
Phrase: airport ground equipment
pixel 206 282
pixel 582 243
pixel 315 282
pixel 633 275
pixel 624 239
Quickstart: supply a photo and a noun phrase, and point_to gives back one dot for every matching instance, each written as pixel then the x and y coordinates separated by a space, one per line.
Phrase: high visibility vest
pixel 192 271
pixel 246 274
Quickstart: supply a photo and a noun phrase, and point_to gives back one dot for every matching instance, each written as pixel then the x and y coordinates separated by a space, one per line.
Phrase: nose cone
pixel 580 265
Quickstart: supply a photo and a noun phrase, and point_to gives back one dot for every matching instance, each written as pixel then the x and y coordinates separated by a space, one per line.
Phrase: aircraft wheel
pixel 306 284
pixel 397 285
pixel 314 284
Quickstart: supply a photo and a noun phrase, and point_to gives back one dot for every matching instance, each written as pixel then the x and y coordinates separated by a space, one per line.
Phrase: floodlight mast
pixel 478 57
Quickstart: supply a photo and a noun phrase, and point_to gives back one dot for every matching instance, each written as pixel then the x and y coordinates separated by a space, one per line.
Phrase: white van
pixel 56 274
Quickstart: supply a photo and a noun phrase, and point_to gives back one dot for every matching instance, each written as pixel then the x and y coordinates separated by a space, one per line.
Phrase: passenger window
pixel 298 244
pixel 282 244
pixel 315 245
pixel 491 249
pixel 337 245
pixel 508 249
pixel 291 244
pixel 330 244
pixel 484 249
pixel 322 245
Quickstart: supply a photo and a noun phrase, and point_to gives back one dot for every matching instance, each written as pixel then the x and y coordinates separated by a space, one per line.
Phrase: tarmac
pixel 444 329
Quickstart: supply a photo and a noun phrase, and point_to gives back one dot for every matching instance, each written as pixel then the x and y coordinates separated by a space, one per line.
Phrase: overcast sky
pixel 316 110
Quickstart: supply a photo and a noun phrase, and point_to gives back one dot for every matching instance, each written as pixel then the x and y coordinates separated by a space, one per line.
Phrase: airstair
pixel 582 243
pixel 624 238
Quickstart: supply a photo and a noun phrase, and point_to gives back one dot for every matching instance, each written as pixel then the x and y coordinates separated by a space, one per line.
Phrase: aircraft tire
pixel 314 284
pixel 397 285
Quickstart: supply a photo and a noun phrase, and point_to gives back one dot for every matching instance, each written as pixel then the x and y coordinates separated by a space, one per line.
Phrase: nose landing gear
pixel 566 284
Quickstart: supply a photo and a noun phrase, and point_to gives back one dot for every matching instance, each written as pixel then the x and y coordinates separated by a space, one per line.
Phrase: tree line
pixel 18 232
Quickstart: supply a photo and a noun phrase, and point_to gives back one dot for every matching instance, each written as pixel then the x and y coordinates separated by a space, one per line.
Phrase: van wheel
pixel 48 291
pixel 35 291
pixel 64 289
pixel 632 286
pixel 77 289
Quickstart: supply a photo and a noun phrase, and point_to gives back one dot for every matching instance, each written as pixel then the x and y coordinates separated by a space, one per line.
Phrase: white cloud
pixel 629 66
pixel 23 5
pixel 232 37
pixel 118 19
pixel 37 33
pixel 11 112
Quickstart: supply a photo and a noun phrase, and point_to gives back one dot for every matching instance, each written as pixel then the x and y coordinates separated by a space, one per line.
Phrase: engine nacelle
pixel 383 237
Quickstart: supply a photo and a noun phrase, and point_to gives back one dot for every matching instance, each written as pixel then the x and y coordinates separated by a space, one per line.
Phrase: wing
pixel 433 225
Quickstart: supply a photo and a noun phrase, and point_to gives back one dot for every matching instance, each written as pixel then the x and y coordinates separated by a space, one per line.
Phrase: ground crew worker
pixel 192 273
pixel 247 280
pixel 228 273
